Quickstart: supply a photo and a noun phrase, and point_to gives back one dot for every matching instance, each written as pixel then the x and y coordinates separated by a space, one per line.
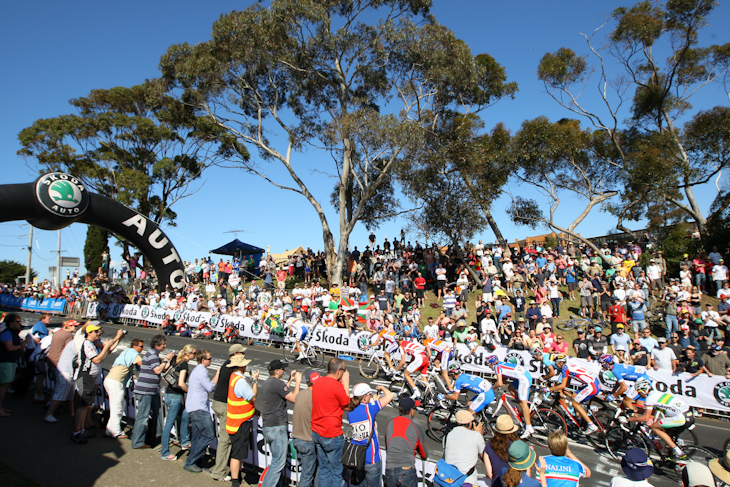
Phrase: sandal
pixel 170 457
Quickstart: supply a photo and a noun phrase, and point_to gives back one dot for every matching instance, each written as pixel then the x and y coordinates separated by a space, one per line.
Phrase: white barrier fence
pixel 711 393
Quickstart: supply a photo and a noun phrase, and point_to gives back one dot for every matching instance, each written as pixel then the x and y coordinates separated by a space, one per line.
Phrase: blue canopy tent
pixel 236 248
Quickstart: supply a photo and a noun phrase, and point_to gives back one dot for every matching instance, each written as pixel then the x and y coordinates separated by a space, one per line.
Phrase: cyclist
pixel 677 413
pixel 623 373
pixel 415 354
pixel 299 331
pixel 547 364
pixel 389 339
pixel 520 386
pixel 443 355
pixel 482 387
pixel 591 387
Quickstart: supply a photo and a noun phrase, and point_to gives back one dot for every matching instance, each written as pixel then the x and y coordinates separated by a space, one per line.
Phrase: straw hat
pixel 505 425
pixel 721 468
pixel 239 361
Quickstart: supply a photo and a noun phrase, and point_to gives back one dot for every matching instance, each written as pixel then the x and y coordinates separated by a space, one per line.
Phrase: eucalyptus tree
pixel 359 82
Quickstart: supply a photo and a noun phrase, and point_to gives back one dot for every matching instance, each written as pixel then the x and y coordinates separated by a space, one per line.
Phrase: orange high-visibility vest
pixel 239 410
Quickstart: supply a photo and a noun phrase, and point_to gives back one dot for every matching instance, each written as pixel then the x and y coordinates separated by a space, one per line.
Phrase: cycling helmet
pixel 454 368
pixel 560 357
pixel 492 360
pixel 606 359
pixel 421 336
pixel 643 385
pixel 536 352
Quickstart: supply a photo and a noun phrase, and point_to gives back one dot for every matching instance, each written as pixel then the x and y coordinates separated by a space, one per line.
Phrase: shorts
pixel 522 386
pixel 572 286
pixel 87 390
pixel 588 392
pixel 420 294
pixel 303 332
pixel 482 400
pixel 7 372
pixel 586 301
pixel 419 363
pixel 391 347
pixel 656 284
pixel 444 359
pixel 487 297
pixel 681 420
pixel 241 441
pixel 64 390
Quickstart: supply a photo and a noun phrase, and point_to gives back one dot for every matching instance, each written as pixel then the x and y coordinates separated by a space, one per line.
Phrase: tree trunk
pixel 490 219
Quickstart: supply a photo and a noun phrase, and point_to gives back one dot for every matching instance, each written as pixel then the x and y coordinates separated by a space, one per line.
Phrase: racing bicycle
pixel 429 389
pixel 309 355
pixel 544 421
pixel 371 365
pixel 576 424
pixel 573 322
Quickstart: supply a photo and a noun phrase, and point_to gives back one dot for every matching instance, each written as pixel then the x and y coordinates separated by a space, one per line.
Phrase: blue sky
pixel 55 51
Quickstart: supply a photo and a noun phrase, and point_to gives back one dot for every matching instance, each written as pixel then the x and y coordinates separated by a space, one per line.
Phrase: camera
pixel 124 332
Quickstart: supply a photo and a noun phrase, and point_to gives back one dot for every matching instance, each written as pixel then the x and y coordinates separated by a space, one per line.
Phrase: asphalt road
pixel 712 433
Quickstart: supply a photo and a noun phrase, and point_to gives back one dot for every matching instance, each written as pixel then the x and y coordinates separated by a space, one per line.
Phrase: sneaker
pixel 192 468
pixel 227 478
pixel 50 419
pixel 78 438
pixel 590 429
pixel 529 431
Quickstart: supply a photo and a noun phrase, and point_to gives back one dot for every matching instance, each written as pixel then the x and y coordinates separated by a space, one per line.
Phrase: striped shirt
pixel 148 382
pixel 449 302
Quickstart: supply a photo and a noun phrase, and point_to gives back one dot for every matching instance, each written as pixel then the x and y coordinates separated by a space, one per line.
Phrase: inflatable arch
pixel 56 200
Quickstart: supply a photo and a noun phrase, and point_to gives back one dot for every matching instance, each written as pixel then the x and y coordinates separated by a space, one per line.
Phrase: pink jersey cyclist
pixel 415 354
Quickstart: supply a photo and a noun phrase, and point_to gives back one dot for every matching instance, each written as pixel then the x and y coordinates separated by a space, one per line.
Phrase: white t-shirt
pixel 431 331
pixel 663 358
pixel 624 482
pixel 66 361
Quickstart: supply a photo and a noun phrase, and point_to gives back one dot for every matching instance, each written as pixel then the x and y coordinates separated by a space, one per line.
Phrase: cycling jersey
pixel 578 373
pixel 412 349
pixel 631 373
pixel 298 329
pixel 472 383
pixel 591 383
pixel 668 404
pixel 483 388
pixel 522 380
pixel 388 339
pixel 444 352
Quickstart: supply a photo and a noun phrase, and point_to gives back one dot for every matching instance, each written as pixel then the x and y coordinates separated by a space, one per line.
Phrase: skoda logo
pixel 145 312
pixel 722 393
pixel 176 317
pixel 256 328
pixel 213 320
pixel 608 379
pixel 62 194
pixel 514 358
pixel 362 341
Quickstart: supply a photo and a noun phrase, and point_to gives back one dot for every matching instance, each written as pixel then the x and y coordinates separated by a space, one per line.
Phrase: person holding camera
pixel 464 447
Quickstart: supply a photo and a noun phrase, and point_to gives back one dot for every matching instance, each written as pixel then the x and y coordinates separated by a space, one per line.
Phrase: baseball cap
pixel 236 348
pixel 580 331
pixel 277 364
pixel 406 403
pixel 619 325
pixel 91 328
pixel 312 376
pixel 361 389
pixel 662 340
pixel 684 327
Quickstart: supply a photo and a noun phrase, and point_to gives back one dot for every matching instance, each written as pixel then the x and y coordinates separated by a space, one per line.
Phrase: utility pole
pixel 58 267
pixel 30 249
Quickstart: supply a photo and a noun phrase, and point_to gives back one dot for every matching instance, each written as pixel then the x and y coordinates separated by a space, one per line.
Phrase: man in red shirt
pixel 420 283
pixel 329 399
pixel 617 314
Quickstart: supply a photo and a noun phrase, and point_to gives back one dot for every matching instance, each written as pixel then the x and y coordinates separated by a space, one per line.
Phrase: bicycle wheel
pixel 440 421
pixel 369 367
pixel 618 441
pixel 314 357
pixel 566 324
pixel 289 351
pixel 545 421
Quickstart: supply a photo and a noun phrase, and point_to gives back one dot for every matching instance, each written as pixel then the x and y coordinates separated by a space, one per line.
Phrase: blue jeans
pixel 672 325
pixel 307 458
pixel 148 410
pixel 372 476
pixel 176 414
pixel 398 477
pixel 278 439
pixel 329 453
pixel 202 435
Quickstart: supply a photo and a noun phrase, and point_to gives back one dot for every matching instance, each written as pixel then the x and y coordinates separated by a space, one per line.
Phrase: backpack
pixel 446 475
